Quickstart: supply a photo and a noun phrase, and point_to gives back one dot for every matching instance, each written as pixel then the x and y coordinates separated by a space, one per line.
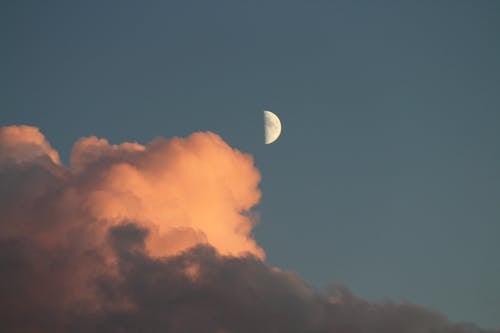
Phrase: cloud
pixel 186 191
pixel 155 238
pixel 24 143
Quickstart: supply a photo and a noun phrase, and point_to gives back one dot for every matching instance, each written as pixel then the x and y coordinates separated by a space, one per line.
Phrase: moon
pixel 272 127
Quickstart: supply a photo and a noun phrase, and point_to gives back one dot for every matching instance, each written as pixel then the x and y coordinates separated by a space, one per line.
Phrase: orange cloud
pixel 24 143
pixel 184 191
pixel 155 238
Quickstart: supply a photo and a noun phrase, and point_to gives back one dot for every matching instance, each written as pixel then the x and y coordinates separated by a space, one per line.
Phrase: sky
pixel 386 177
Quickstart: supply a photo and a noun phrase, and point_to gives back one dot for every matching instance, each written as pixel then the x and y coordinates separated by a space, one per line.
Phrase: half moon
pixel 272 127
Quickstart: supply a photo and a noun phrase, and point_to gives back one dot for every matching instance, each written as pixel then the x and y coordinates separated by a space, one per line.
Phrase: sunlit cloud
pixel 156 238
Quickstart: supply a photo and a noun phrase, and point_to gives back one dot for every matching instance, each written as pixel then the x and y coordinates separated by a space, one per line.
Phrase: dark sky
pixel 386 178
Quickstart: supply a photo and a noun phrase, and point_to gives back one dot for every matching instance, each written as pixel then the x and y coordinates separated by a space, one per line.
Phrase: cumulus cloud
pixel 185 191
pixel 25 143
pixel 155 238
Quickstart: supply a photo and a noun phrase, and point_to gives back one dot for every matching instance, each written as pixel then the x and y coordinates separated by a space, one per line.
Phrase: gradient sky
pixel 386 178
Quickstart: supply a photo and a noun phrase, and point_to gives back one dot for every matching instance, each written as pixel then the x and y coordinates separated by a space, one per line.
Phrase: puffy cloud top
pixel 186 191
pixel 24 144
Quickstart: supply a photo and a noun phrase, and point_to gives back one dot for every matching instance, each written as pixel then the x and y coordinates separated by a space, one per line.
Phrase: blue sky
pixel 386 178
